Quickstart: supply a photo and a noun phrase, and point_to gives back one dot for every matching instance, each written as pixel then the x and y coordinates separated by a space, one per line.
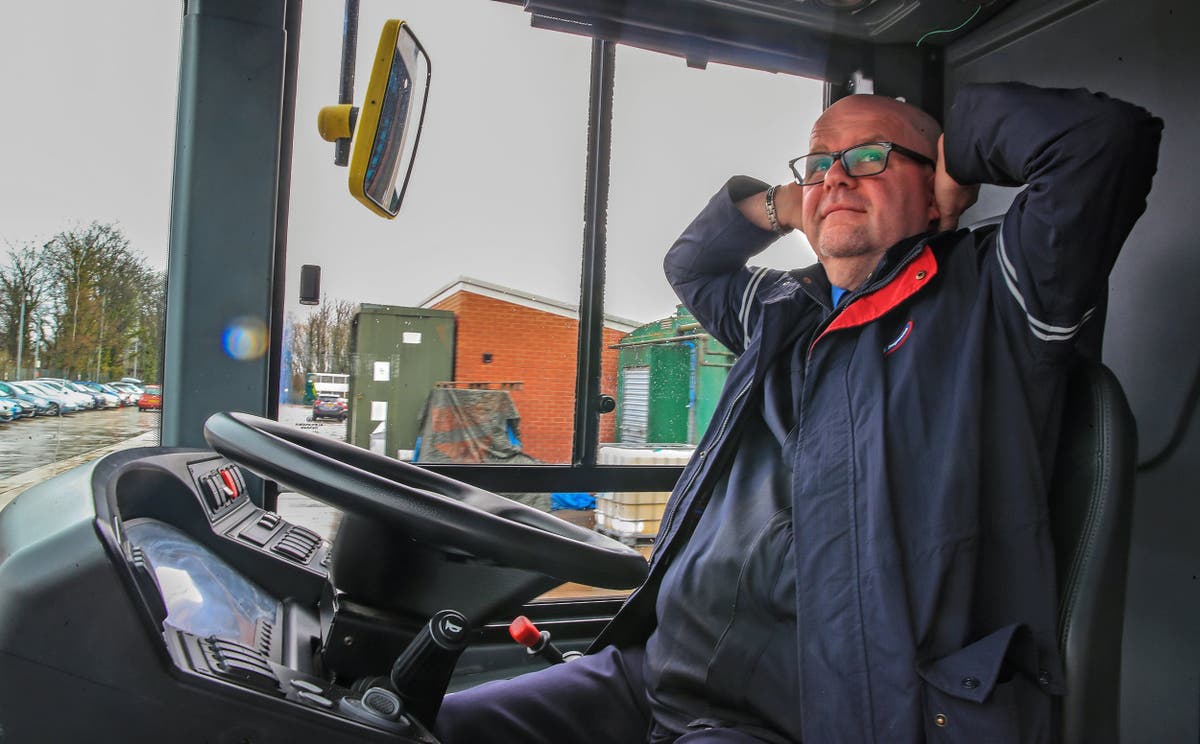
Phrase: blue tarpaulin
pixel 572 501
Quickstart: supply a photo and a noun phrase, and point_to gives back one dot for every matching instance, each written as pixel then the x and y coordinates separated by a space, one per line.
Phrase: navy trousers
pixel 598 699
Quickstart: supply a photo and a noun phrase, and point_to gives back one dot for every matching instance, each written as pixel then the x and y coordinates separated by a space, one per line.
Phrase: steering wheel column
pixel 383 590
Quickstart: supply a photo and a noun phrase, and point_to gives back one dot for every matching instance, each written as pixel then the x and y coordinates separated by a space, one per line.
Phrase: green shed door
pixel 635 411
pixel 397 356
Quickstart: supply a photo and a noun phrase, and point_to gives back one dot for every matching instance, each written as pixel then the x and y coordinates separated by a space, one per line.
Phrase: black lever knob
pixel 445 633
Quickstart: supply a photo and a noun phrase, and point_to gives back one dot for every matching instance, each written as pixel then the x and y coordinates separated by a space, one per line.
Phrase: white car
pixel 129 392
pixel 65 404
pixel 109 398
pixel 80 400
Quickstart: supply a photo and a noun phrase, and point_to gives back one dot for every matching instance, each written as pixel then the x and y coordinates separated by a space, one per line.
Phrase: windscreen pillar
pixel 223 214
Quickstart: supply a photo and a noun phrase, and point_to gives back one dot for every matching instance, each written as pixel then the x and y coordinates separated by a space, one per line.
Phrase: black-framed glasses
pixel 867 159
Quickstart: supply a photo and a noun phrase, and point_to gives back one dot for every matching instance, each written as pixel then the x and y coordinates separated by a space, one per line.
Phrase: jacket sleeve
pixel 707 265
pixel 1088 161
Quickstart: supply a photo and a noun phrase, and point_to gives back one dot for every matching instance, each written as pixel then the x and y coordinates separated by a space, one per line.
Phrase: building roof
pixel 525 299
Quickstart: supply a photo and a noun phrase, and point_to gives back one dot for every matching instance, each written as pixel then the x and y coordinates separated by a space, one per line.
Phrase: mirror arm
pixel 341 148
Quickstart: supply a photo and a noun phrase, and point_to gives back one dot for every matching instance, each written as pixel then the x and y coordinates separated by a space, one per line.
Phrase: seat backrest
pixel 1091 503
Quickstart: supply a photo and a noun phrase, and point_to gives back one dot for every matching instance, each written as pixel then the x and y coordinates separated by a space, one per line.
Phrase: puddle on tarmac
pixel 33 442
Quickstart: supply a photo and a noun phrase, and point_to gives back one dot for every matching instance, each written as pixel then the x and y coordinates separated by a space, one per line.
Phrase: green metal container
pixel 669 377
pixel 397 355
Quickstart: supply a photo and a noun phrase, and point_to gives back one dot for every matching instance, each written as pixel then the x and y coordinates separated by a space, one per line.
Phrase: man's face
pixel 846 217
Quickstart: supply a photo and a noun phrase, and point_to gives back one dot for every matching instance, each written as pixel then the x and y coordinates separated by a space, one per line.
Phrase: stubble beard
pixel 844 242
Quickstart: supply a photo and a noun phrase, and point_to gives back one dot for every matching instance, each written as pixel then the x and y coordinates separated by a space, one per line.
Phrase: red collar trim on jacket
pixel 876 304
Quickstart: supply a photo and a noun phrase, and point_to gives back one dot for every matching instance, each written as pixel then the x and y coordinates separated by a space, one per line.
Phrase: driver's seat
pixel 1091 504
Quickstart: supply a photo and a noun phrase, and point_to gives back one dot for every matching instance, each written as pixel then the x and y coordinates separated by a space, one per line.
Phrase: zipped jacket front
pixel 930 404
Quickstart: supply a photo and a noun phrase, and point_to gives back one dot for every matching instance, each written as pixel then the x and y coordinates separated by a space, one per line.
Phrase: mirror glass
pixel 383 148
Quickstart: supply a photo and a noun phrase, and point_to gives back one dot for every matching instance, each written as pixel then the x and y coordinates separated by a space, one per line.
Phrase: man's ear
pixel 932 210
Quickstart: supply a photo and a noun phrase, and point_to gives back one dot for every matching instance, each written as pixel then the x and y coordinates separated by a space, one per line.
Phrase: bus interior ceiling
pixel 1141 51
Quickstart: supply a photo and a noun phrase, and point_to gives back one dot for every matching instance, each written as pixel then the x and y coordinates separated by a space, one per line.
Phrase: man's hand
pixel 788 200
pixel 951 197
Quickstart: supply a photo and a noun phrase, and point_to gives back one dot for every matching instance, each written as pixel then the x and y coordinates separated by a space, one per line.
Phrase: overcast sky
pixel 497 191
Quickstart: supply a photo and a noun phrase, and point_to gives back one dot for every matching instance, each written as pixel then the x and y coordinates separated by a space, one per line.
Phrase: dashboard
pixel 236 592
pixel 147 591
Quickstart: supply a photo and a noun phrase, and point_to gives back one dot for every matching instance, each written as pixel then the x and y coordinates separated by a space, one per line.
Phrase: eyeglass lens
pixel 864 160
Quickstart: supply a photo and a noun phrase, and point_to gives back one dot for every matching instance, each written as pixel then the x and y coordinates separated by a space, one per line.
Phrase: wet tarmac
pixel 298 508
pixel 301 417
pixel 31 443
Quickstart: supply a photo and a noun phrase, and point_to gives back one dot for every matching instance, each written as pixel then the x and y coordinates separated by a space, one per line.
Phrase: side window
pixel 84 217
pixel 678 135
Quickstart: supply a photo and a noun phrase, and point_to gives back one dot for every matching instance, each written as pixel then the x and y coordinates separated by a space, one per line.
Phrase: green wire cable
pixel 951 30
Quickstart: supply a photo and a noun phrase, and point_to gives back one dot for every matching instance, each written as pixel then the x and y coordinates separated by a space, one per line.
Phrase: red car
pixel 151 399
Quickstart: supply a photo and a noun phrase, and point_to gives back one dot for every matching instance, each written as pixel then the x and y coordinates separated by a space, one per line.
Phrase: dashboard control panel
pixel 221 485
pixel 226 500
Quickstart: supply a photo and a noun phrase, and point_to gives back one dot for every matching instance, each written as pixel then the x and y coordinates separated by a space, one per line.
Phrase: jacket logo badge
pixel 905 332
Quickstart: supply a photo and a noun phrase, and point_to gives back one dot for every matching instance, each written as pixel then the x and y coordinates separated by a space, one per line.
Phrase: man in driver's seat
pixel 859 550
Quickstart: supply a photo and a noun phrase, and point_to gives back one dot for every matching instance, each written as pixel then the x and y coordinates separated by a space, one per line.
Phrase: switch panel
pixel 221 485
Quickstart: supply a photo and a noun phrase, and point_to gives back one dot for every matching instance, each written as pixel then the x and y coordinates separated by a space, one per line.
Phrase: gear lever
pixel 445 635
pixel 538 642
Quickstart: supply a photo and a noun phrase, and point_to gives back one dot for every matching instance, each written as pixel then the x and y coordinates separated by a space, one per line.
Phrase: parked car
pixel 329 406
pixel 127 396
pixel 65 403
pixel 20 409
pixel 100 400
pixel 129 390
pixel 108 398
pixel 42 406
pixel 61 386
pixel 106 389
pixel 7 410
pixel 151 399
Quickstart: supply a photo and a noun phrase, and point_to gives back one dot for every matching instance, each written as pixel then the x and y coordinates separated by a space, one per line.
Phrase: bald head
pixel 851 220
pixel 906 124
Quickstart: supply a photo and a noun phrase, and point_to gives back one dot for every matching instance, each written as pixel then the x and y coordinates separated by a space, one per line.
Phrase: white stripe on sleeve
pixel 1041 329
pixel 747 297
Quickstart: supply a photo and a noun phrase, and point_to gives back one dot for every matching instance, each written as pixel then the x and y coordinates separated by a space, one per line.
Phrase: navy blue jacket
pixel 930 409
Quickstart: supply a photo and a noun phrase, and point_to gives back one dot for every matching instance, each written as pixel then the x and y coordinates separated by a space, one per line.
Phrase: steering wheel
pixel 427 507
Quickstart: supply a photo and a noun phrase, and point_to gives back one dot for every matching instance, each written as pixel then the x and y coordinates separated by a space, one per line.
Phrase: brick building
pixel 505 335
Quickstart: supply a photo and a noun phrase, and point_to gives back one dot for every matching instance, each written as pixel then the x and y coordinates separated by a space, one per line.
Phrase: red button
pixel 524 632
pixel 230 482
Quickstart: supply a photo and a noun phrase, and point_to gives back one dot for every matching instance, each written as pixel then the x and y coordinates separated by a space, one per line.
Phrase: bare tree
pixel 97 288
pixel 144 345
pixel 320 341
pixel 339 335
pixel 23 288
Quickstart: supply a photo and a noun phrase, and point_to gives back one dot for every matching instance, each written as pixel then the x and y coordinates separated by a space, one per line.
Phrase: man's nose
pixel 837 176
